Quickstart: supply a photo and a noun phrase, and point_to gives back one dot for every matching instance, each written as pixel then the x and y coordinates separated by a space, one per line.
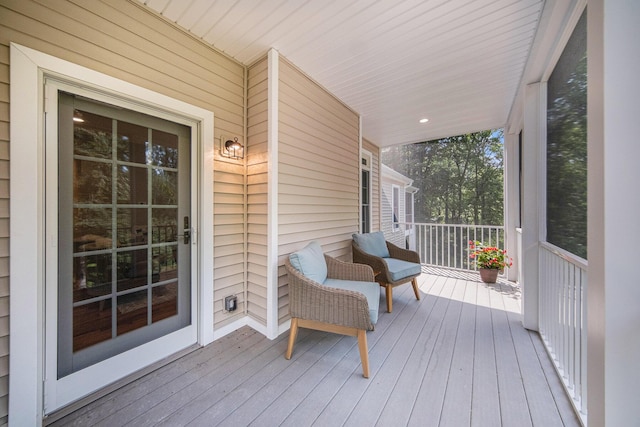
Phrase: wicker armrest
pixel 312 301
pixel 361 257
pixel 348 271
pixel 403 254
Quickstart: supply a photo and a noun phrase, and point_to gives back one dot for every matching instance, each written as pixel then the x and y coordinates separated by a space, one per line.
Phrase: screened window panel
pixel 567 146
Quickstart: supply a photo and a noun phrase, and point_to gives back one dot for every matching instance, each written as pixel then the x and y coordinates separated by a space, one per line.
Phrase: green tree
pixel 460 177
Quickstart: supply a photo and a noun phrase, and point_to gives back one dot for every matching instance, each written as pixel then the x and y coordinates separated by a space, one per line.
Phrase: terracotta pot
pixel 489 275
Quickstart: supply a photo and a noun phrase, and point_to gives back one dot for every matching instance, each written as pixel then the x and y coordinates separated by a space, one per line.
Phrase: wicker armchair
pixel 317 306
pixel 382 272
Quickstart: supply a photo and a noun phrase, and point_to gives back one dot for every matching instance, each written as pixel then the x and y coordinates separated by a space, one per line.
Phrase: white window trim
pixel 365 154
pixel 411 196
pixel 27 239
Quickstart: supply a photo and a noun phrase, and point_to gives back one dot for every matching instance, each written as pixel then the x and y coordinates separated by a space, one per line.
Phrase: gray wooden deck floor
pixel 457 357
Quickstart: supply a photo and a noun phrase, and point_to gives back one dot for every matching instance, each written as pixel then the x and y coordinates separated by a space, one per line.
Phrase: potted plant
pixel 490 260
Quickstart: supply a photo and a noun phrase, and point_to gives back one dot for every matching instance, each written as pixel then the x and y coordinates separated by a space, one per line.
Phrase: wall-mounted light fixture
pixel 231 148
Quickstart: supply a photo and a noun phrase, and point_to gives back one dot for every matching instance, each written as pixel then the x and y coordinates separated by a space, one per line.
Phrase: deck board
pixel 513 400
pixel 213 386
pixel 460 381
pixel 533 378
pixel 253 390
pixel 352 391
pixel 485 405
pixel 457 357
pixel 403 396
pixel 373 402
pixel 565 408
pixel 430 397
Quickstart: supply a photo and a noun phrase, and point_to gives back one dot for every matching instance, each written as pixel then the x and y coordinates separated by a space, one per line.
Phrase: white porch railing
pixel 447 245
pixel 563 281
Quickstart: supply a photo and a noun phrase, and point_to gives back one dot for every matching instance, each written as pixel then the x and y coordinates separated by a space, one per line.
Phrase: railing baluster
pixel 447 245
pixel 430 244
pixel 562 284
pixel 455 248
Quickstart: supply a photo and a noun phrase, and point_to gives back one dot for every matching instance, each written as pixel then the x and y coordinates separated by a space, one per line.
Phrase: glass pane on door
pixel 124 202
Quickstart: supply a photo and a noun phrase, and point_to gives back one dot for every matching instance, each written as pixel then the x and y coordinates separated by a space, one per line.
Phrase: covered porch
pixel 459 356
pixel 313 120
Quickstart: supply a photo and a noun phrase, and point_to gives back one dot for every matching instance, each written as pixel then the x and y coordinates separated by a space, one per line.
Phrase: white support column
pixel 273 60
pixel 533 211
pixel 511 199
pixel 613 293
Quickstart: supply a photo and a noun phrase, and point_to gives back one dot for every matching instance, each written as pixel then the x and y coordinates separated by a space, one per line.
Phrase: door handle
pixel 186 234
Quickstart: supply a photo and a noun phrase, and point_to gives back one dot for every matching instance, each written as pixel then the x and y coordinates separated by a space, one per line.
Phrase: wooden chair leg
pixel 364 352
pixel 414 282
pixel 293 332
pixel 389 294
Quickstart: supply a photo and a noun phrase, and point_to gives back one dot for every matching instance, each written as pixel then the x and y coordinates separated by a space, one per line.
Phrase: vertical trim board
pixel 273 192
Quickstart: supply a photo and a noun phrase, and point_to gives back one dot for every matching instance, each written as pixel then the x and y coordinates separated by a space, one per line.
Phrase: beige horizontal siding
pixel 318 171
pixel 229 235
pixel 257 191
pixel 124 40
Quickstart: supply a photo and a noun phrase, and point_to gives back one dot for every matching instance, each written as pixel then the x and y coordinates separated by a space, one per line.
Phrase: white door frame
pixel 27 215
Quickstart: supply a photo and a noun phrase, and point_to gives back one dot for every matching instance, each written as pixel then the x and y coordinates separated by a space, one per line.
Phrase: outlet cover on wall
pixel 230 303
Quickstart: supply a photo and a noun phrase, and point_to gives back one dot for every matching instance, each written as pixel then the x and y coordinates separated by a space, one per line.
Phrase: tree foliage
pixel 460 178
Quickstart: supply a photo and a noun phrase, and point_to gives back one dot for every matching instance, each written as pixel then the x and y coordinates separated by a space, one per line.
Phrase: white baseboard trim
pixel 253 324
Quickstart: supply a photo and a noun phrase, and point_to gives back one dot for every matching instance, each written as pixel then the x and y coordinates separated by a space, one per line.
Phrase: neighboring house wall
pixel 375 183
pixel 124 40
pixel 257 194
pixel 391 178
pixel 318 158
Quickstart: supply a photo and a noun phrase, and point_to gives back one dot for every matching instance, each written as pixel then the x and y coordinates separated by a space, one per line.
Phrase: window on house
pixel 520 179
pixel 365 206
pixel 408 207
pixel 396 206
pixel 567 146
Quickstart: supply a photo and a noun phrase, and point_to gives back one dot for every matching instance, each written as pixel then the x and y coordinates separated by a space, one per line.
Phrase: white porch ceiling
pixel 456 62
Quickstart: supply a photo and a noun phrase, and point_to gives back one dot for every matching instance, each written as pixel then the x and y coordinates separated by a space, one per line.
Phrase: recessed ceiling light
pixel 424 120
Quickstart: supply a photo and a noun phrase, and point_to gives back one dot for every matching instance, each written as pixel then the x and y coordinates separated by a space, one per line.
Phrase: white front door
pixel 120 282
